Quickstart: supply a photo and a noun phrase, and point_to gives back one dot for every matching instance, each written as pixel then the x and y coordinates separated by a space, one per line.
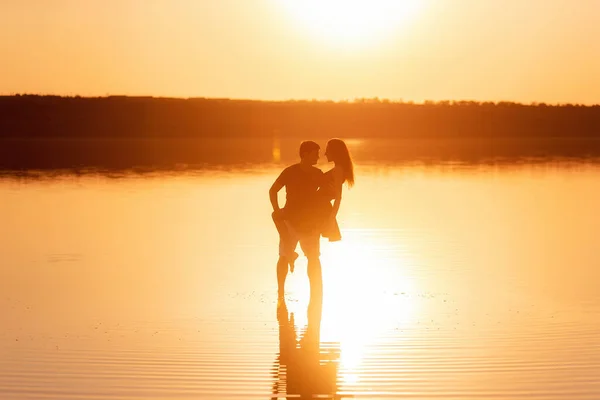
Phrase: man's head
pixel 309 152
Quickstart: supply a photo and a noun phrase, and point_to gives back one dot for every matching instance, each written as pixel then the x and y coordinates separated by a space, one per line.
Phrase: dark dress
pixel 326 193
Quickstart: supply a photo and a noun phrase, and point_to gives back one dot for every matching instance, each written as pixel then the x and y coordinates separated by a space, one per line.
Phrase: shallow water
pixel 451 282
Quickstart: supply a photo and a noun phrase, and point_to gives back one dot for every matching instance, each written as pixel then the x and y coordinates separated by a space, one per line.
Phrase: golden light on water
pixel 352 22
pixel 363 287
pixel 276 150
pixel 167 286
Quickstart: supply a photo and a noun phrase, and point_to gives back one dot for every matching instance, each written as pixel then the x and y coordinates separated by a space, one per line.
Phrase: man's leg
pixel 282 270
pixel 312 249
pixel 315 277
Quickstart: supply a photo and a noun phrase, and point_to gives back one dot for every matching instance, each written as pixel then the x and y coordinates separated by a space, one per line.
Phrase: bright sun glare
pixel 352 22
pixel 368 288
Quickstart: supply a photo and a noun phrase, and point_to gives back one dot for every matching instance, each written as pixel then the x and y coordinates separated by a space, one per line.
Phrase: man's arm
pixel 275 188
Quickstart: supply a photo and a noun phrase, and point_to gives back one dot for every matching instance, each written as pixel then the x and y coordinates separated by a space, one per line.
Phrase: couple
pixel 308 212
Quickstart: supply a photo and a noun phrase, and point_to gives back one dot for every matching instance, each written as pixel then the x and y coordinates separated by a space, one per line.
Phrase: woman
pixel 331 189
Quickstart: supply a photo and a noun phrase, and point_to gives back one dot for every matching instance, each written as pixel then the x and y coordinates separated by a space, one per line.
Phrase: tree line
pixel 37 116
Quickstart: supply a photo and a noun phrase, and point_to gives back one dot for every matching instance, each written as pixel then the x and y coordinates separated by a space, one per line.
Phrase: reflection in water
pixel 451 282
pixel 302 367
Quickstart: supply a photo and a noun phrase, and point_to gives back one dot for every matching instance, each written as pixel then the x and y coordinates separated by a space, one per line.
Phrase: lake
pixel 452 281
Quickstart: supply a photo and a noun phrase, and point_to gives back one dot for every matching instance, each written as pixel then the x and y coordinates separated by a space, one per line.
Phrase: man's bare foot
pixel 293 259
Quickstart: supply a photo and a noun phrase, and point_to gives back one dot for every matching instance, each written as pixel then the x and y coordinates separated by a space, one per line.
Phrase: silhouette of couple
pixel 309 213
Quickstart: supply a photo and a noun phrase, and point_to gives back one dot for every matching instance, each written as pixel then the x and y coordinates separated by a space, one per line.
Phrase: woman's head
pixel 337 152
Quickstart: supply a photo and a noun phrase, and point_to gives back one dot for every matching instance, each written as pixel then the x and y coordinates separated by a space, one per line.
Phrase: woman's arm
pixel 338 181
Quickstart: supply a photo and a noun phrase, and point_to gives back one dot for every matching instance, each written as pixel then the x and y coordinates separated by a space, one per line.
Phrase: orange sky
pixel 518 50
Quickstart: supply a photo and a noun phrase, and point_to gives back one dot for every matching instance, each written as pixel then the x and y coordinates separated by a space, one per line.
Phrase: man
pixel 296 222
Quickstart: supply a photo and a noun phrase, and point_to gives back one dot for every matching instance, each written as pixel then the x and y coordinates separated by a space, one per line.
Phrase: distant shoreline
pixel 33 116
pixel 365 100
pixel 48 132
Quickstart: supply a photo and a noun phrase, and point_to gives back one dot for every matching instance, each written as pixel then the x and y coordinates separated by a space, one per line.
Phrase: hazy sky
pixel 519 50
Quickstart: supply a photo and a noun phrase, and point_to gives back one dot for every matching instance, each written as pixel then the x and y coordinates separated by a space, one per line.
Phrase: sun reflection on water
pixel 368 290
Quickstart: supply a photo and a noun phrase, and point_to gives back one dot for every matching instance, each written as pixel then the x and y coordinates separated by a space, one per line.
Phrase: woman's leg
pixel 332 231
pixel 329 226
pixel 287 254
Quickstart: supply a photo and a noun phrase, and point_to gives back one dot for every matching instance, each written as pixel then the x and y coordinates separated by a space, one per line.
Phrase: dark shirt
pixel 301 185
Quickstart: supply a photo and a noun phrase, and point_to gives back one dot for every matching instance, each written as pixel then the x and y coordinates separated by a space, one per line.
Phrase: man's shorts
pixel 310 243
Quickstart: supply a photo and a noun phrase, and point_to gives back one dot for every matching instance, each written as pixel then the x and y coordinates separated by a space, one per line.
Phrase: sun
pixel 352 22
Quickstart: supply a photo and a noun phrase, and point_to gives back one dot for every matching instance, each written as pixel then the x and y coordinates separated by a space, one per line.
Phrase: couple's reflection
pixel 302 369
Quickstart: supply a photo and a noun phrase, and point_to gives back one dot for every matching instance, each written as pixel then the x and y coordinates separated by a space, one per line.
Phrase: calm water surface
pixel 451 282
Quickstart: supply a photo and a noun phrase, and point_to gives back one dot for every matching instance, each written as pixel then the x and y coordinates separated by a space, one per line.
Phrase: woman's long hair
pixel 341 156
